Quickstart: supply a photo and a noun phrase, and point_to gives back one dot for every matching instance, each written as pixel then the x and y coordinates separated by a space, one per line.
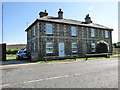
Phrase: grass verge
pixel 56 60
pixel 7 58
pixel 115 56
pixel 76 59
pixel 10 56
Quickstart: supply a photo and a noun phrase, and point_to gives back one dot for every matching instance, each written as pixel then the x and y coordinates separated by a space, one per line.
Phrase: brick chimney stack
pixel 60 14
pixel 88 19
pixel 42 14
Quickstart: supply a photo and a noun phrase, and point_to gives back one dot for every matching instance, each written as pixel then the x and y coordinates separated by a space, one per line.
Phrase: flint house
pixel 57 36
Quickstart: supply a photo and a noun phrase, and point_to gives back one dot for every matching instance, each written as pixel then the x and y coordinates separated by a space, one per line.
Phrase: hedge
pixel 11 51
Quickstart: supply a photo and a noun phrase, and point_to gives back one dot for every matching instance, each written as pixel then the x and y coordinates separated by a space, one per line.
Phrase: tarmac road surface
pixel 99 73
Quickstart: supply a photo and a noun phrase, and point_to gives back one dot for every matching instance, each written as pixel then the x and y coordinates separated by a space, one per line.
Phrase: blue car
pixel 21 54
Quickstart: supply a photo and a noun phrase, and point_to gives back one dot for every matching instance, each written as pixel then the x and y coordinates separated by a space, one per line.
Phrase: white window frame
pixel 34 31
pixel 47 47
pixel 48 29
pixel 73 31
pixel 93 46
pixel 74 48
pixel 92 33
pixel 106 34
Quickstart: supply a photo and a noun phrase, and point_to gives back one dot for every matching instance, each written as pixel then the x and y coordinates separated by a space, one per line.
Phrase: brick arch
pixel 102 47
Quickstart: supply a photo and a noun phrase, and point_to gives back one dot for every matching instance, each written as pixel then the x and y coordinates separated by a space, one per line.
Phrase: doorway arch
pixel 102 47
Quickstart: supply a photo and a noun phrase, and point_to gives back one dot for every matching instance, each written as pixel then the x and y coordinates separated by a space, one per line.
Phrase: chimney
pixel 42 14
pixel 60 14
pixel 88 19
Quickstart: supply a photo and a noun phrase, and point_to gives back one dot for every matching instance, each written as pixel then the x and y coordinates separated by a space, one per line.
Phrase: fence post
pixel 3 52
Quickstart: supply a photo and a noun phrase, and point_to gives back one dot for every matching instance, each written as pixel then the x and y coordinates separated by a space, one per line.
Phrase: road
pixel 99 73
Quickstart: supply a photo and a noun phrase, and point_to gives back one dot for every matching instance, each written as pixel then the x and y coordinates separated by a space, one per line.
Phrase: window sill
pixel 74 36
pixel 74 52
pixel 49 34
pixel 49 53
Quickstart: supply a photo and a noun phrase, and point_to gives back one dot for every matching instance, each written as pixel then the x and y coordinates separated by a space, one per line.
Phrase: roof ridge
pixel 72 22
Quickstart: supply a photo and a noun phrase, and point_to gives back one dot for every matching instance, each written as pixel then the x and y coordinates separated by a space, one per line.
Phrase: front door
pixel 61 49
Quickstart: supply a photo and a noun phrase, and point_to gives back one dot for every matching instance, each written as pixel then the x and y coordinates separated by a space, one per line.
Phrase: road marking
pixel 77 74
pixel 38 80
pixel 4 85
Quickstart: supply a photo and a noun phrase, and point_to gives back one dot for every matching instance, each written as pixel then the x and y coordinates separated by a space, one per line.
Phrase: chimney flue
pixel 45 11
pixel 60 14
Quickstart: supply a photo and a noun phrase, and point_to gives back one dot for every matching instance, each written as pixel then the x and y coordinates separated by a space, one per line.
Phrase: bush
pixel 11 51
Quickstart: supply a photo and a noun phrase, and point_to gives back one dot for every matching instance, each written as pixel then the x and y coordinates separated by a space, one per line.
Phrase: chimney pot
pixel 45 11
pixel 60 9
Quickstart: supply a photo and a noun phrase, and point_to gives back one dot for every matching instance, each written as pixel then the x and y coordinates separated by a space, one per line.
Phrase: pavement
pixel 98 73
pixel 14 61
pixel 18 62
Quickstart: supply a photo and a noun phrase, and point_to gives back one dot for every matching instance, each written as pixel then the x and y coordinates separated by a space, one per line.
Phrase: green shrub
pixel 113 47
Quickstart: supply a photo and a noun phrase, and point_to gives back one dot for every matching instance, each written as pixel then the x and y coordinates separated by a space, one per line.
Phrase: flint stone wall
pixel 62 34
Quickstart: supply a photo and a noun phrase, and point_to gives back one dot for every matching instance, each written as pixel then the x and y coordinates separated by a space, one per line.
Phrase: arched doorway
pixel 102 47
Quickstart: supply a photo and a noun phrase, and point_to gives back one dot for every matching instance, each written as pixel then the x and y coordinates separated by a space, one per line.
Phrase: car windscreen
pixel 21 51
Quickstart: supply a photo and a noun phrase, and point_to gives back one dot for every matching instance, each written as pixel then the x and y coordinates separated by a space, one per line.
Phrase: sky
pixel 17 16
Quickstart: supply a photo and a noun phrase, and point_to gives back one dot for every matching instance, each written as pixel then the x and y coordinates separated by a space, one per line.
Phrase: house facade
pixel 51 36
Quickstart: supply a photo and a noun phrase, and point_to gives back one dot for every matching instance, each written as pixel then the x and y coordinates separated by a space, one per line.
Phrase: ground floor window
pixel 74 47
pixel 49 48
pixel 93 47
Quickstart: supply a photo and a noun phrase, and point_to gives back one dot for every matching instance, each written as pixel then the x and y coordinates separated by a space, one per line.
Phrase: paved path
pixel 14 61
pixel 100 73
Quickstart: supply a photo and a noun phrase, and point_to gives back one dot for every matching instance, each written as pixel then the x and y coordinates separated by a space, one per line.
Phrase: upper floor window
pixel 49 48
pixel 93 47
pixel 92 33
pixel 34 31
pixel 106 34
pixel 74 47
pixel 73 31
pixel 48 28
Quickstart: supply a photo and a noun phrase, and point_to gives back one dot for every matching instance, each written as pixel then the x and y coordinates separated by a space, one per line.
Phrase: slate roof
pixel 70 21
